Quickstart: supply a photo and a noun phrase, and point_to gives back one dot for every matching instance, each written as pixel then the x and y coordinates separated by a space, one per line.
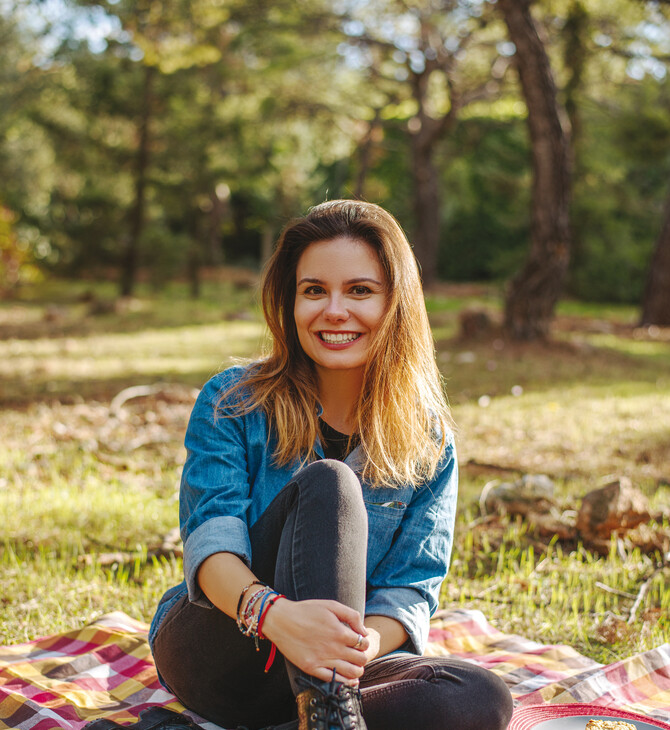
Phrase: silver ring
pixel 359 641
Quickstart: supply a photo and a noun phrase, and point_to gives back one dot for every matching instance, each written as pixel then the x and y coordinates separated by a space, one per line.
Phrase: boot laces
pixel 333 701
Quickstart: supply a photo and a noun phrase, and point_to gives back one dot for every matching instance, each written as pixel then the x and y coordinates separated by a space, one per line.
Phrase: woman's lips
pixel 338 340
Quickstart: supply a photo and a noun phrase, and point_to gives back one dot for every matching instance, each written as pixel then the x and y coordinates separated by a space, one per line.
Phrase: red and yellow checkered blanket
pixel 106 670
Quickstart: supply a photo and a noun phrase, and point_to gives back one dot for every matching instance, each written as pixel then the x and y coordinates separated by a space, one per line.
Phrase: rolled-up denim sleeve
pixel 214 493
pixel 406 583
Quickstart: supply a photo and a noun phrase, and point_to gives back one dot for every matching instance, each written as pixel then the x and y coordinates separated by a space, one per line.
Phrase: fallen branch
pixel 641 595
pixel 644 589
pixel 492 467
pixel 135 391
pixel 614 591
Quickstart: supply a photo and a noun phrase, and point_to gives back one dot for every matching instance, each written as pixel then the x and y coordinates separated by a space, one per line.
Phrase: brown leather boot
pixel 329 706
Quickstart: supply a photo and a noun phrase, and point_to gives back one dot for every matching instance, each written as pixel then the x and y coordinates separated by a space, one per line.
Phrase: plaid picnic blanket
pixel 106 670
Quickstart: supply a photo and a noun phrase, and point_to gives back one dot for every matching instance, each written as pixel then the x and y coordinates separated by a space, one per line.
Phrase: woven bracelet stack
pixel 250 621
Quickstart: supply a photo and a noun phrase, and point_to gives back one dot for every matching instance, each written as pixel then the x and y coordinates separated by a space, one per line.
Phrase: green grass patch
pixel 559 596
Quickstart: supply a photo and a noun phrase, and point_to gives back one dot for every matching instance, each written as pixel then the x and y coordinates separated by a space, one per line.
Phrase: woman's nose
pixel 335 309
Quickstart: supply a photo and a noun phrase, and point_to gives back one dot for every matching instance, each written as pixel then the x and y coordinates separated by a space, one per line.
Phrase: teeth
pixel 339 338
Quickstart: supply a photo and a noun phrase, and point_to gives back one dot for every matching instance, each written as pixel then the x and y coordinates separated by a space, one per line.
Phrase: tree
pixel 130 258
pixel 203 97
pixel 425 63
pixel 656 300
pixel 534 292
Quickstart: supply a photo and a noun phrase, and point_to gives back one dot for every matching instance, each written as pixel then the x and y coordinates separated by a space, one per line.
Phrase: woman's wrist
pixel 272 620
pixel 249 605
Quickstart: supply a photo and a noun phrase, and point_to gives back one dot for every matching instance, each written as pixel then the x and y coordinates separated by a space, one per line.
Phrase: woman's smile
pixel 340 302
pixel 339 339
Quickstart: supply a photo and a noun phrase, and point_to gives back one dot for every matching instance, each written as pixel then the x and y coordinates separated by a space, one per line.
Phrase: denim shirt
pixel 229 479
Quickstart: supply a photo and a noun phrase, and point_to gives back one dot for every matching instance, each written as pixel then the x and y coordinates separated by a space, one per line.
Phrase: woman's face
pixel 340 302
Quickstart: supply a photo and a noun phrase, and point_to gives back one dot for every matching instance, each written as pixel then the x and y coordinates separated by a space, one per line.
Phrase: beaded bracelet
pixel 246 621
pixel 241 598
pixel 251 624
pixel 261 608
pixel 240 621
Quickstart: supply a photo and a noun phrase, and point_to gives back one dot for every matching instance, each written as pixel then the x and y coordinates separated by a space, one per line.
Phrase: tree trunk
pixel 576 32
pixel 535 290
pixel 365 155
pixel 215 217
pixel 426 203
pixel 267 243
pixel 136 223
pixel 656 301
pixel 194 257
pixel 575 55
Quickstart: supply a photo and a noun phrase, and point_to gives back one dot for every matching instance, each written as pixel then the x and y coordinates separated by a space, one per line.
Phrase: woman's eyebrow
pixel 358 280
pixel 362 279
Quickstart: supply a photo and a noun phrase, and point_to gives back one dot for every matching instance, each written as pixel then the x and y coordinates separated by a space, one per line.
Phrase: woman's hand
pixel 319 636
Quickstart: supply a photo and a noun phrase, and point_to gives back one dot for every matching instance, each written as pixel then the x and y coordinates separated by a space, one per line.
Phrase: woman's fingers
pixel 348 616
pixel 345 671
pixel 360 643
pixel 317 636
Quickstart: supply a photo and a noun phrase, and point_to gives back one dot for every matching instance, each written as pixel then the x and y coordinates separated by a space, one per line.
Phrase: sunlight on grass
pixel 636 348
pixel 581 431
pixel 52 591
pixel 51 365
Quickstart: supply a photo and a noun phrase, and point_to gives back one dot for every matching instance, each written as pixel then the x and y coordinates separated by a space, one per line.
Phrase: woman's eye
pixel 361 290
pixel 314 290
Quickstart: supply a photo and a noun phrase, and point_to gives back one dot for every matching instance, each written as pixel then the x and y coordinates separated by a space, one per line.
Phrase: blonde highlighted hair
pixel 401 415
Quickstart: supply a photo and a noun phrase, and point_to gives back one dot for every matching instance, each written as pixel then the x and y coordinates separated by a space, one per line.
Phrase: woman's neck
pixel 338 393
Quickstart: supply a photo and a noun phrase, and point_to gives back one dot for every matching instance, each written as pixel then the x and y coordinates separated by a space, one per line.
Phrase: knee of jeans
pixel 493 706
pixel 335 482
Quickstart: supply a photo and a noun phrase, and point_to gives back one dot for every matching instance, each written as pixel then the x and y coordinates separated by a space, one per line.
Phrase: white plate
pixel 579 723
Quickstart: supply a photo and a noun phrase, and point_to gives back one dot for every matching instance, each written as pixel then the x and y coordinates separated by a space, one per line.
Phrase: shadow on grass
pixel 68 392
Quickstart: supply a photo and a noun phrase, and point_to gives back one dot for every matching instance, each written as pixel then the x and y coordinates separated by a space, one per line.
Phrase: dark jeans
pixel 311 542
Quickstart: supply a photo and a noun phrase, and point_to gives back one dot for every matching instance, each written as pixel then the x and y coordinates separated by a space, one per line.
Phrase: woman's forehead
pixel 338 256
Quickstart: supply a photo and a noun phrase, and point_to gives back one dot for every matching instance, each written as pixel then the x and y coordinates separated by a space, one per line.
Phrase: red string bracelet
pixel 261 620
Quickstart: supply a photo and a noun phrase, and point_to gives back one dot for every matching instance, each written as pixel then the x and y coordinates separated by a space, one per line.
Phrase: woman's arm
pixel 315 635
pixel 385 635
pixel 222 576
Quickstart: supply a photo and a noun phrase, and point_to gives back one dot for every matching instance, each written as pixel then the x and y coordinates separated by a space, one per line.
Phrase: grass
pixel 88 491
pixel 557 595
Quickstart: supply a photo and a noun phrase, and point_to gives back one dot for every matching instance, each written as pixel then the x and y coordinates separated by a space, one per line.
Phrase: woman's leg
pixel 311 542
pixel 403 691
pixel 216 671
pixel 318 540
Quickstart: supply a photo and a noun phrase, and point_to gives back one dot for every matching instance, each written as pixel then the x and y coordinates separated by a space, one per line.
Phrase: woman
pixel 317 505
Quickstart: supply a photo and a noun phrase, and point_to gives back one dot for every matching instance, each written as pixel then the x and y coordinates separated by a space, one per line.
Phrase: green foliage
pixel 620 195
pixel 486 181
pixel 16 264
pixel 275 107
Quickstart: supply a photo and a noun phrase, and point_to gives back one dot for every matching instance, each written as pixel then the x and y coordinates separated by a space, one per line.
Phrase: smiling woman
pixel 356 545
pixel 341 299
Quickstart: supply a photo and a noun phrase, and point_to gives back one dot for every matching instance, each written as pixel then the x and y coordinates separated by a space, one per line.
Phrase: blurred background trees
pixel 157 139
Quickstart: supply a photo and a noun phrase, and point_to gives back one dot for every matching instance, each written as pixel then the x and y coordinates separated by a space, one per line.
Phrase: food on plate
pixel 608 725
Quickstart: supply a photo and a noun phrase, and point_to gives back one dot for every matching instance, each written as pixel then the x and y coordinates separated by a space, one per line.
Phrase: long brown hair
pixel 401 415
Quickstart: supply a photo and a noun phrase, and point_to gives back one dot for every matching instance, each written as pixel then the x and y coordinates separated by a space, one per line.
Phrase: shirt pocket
pixel 384 519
